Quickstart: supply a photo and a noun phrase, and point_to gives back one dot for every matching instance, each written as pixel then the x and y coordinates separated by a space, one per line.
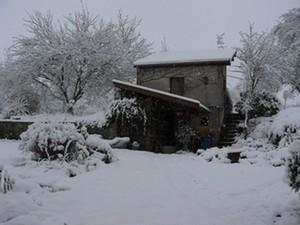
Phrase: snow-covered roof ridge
pixel 191 100
pixel 204 56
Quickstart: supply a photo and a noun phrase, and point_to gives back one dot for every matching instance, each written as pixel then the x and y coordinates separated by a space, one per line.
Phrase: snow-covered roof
pixel 224 56
pixel 166 96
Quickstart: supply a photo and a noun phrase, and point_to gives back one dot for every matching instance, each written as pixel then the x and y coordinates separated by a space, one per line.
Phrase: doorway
pixel 168 129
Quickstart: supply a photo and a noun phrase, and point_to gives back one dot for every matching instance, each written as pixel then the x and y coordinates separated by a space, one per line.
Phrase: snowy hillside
pixel 145 188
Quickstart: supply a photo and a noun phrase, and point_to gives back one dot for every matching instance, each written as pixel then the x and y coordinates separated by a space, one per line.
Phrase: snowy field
pixel 141 188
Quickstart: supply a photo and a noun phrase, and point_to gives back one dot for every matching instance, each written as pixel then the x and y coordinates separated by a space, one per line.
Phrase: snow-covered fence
pixel 6 183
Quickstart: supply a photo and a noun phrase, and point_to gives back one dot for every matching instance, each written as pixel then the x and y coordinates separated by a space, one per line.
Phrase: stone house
pixel 184 95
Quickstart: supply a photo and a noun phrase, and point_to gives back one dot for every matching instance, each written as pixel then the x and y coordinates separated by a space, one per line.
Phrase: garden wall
pixel 13 129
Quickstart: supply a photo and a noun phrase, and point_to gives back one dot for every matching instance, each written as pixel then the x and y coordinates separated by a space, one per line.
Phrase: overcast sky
pixel 185 24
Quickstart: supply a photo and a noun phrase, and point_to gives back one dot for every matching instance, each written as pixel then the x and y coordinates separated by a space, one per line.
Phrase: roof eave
pixel 165 97
pixel 175 64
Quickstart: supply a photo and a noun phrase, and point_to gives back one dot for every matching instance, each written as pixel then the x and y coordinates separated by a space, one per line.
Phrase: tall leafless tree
pixel 79 57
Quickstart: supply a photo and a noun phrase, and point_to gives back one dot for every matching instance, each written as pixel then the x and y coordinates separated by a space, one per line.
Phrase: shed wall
pixel 210 94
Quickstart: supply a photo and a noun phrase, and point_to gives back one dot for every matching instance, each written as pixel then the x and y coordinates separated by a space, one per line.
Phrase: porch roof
pixel 162 95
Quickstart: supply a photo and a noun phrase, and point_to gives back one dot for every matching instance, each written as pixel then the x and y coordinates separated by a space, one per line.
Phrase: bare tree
pixel 78 57
pixel 220 40
pixel 164 46
pixel 259 57
pixel 287 32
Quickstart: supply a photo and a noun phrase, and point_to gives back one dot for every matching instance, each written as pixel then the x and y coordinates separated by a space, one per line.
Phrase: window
pixel 204 121
pixel 177 85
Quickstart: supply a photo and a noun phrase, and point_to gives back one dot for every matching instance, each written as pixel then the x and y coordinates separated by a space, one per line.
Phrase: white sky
pixel 186 24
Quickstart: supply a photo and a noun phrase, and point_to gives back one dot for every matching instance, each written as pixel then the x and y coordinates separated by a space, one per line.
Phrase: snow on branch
pixel 78 57
pixel 127 110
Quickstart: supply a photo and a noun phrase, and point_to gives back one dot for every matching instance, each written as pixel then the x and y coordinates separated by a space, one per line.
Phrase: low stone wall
pixel 12 129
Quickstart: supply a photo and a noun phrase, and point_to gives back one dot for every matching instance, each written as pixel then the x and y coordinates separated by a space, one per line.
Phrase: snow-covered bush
pixel 256 128
pixel 127 111
pixel 260 151
pixel 251 151
pixel 280 130
pixel 269 140
pixel 260 127
pixel 15 107
pixel 285 127
pixel 64 142
pixel 54 141
pixel 95 143
pixel 293 166
pixel 259 105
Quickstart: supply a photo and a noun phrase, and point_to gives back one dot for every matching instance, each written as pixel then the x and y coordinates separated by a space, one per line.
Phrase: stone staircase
pixel 229 129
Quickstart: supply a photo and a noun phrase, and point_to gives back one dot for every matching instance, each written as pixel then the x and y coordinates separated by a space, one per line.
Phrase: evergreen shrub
pixel 261 104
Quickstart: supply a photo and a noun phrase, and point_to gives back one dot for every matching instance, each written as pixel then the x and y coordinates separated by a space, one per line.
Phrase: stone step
pixel 234 115
pixel 233 121
pixel 228 135
pixel 230 129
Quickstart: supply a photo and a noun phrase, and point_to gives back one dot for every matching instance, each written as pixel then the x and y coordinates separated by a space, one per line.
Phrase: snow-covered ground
pixel 146 188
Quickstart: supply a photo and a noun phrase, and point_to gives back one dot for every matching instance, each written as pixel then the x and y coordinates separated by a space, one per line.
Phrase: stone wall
pixel 213 128
pixel 13 129
pixel 210 94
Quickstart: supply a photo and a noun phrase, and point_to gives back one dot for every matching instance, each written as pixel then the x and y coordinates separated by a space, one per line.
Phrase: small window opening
pixel 177 85
pixel 204 121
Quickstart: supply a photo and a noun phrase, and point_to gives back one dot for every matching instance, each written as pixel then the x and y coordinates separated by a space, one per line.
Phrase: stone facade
pixel 210 94
pixel 173 123
pixel 206 83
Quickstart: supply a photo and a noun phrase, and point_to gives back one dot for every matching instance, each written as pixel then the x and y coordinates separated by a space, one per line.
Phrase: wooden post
pixel 1 171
